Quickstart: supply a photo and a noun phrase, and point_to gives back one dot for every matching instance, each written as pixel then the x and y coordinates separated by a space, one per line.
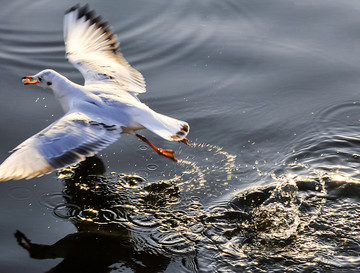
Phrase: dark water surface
pixel 271 180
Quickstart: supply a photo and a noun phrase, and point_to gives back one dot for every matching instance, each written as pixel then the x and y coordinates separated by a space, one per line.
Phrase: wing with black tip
pixel 93 49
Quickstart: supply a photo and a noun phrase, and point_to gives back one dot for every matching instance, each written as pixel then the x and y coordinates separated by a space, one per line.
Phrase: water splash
pixel 294 224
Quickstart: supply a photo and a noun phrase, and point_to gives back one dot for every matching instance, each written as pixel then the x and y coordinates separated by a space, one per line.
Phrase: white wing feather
pixel 93 49
pixel 67 141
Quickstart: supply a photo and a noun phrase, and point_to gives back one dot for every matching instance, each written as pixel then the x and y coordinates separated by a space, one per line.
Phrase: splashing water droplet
pixel 152 167
pixel 143 147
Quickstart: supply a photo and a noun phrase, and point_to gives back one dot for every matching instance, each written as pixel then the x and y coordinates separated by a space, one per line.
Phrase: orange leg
pixel 166 153
pixel 185 141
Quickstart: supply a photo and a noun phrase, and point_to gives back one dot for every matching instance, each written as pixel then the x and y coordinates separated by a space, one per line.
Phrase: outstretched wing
pixel 93 49
pixel 67 141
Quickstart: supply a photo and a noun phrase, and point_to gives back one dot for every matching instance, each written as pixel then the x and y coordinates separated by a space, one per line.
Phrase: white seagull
pixel 96 113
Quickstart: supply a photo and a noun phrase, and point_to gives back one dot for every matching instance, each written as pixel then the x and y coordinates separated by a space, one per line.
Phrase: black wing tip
pixel 96 20
pixel 185 128
pixel 182 133
pixel 73 8
pixel 84 11
pixel 90 15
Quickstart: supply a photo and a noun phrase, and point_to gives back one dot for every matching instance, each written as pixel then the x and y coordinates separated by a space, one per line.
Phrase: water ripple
pixel 340 118
pixel 331 146
pixel 20 193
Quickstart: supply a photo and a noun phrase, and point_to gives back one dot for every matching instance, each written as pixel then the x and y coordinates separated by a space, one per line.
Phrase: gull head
pixel 44 78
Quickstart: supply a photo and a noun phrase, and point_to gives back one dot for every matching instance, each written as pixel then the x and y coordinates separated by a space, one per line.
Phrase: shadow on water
pixel 99 242
pixel 94 251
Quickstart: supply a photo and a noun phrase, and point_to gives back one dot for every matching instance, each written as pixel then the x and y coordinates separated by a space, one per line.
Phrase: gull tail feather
pixel 166 127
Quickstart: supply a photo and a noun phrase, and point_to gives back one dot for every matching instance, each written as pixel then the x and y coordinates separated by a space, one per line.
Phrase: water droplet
pixel 152 167
pixel 143 147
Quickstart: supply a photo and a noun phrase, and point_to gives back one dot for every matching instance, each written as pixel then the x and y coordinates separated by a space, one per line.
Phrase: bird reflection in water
pixel 100 241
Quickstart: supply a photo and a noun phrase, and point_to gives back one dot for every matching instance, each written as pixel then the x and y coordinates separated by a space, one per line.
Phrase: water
pixel 270 182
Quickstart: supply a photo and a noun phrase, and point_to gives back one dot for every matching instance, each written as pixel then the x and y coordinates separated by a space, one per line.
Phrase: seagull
pixel 96 113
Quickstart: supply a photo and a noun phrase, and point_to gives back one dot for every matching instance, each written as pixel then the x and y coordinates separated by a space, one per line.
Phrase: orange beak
pixel 29 80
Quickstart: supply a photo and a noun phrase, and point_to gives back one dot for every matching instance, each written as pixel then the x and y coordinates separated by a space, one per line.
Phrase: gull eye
pixel 40 79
